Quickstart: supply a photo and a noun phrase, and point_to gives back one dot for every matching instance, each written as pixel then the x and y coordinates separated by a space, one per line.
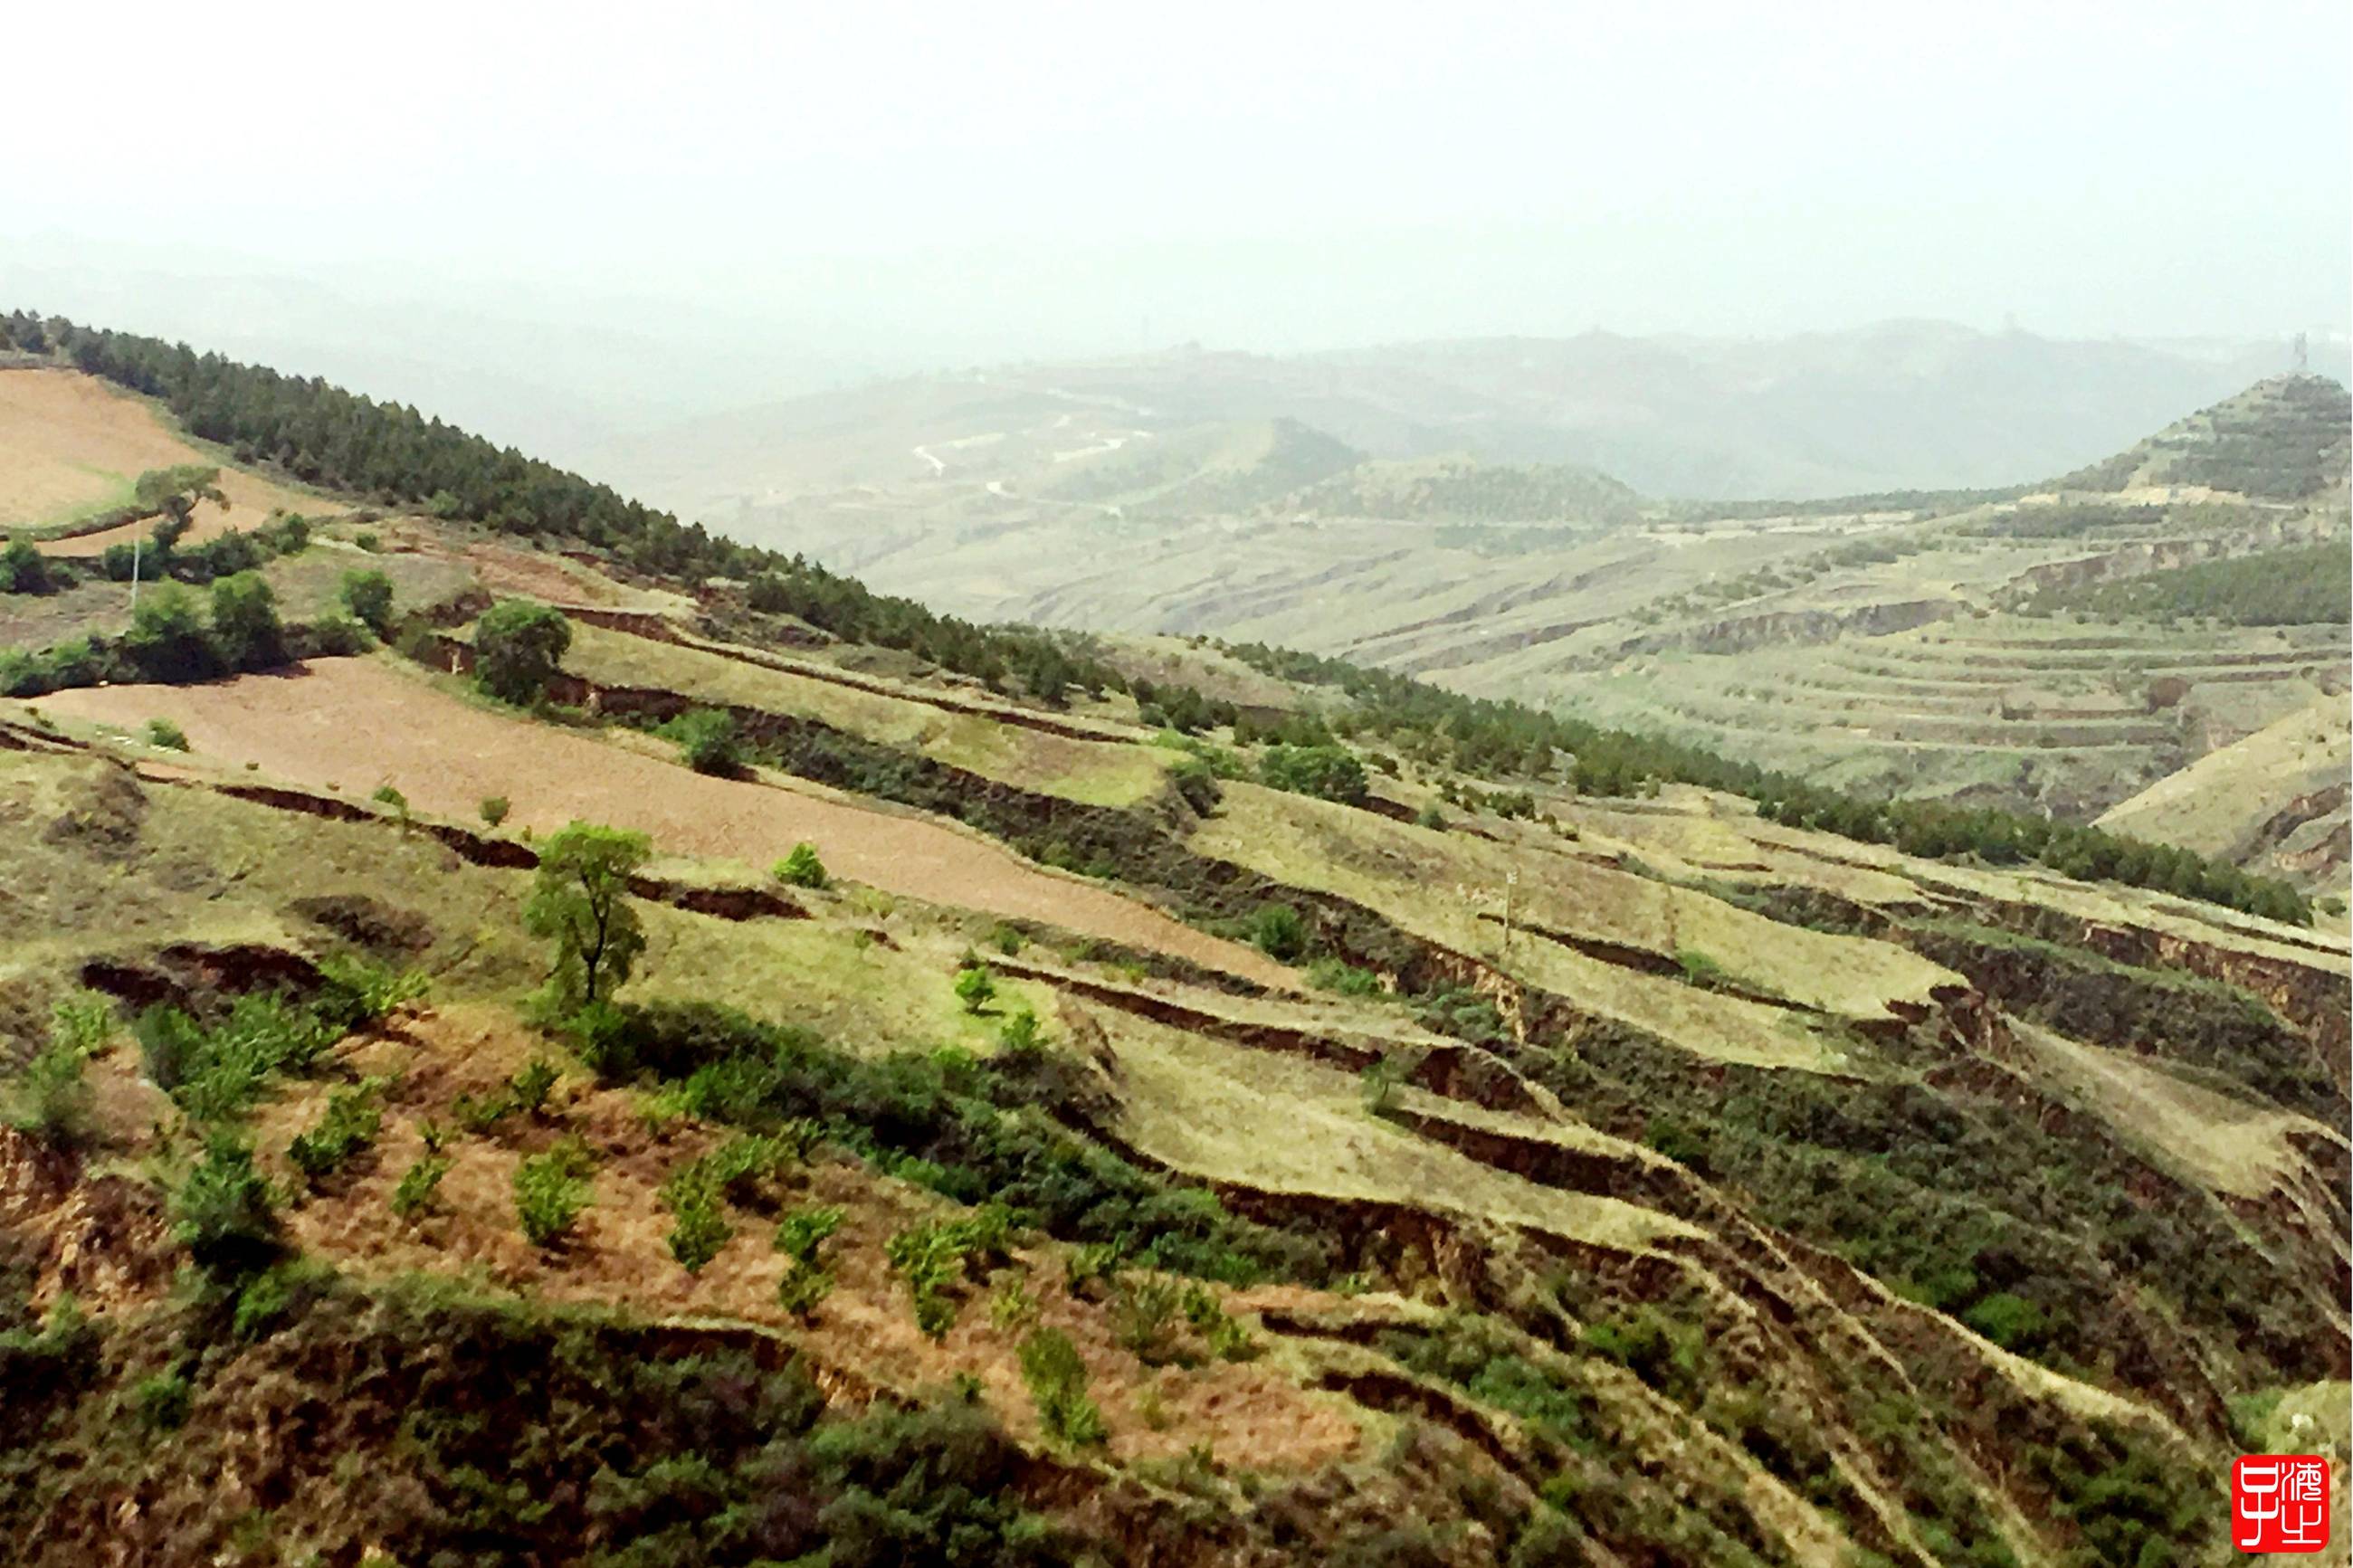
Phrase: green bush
pixel 368 594
pixel 224 1213
pixel 804 1285
pixel 51 1098
pixel 164 1402
pixel 494 810
pixel 935 1258
pixel 2011 1321
pixel 23 568
pixel 549 1193
pixel 216 1074
pixel 1057 1384
pixel 167 641
pixel 706 740
pixel 246 628
pixel 415 1191
pixel 167 735
pixel 519 647
pixel 1279 932
pixel 1144 1308
pixel 975 987
pixel 1331 772
pixel 801 868
pixel 801 1233
pixel 348 1125
pixel 700 1230
pixel 1335 975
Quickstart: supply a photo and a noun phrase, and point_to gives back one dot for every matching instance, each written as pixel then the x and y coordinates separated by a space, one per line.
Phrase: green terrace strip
pixel 1488 736
pixel 2280 588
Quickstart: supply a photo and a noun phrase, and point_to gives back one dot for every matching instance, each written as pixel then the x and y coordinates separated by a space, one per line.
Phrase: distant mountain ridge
pixel 1897 405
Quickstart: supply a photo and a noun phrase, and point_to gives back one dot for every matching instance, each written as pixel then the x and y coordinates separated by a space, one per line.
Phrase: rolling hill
pixel 1195 1105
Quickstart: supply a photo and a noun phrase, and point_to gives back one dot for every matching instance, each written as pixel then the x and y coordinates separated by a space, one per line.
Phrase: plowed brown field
pixel 71 443
pixel 357 723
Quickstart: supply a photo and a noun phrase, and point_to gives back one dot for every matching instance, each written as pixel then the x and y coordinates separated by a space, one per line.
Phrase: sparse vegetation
pixel 1057 1383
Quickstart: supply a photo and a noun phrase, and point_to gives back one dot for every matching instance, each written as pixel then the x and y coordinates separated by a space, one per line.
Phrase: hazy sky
pixel 880 185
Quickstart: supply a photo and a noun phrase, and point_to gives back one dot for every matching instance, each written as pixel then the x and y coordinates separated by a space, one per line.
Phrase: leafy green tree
pixel 579 899
pixel 975 987
pixel 170 495
pixel 246 628
pixel 368 596
pixel 519 645
pixel 494 809
pixel 23 568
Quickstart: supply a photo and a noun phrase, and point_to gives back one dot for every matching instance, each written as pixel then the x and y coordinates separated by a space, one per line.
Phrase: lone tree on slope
pixel 580 899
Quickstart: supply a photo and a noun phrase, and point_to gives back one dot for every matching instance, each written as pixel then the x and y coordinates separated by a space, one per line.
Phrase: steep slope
pixel 1575 1165
pixel 2275 799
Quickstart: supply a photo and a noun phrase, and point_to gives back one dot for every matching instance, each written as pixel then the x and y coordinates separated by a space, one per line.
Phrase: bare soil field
pixel 355 725
pixel 72 445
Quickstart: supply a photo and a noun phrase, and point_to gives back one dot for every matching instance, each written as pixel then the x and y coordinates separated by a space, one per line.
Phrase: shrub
pixel 223 1213
pixel 164 1402
pixel 975 988
pixel 1010 1307
pixel 1331 772
pixel 1279 932
pixel 359 992
pixel 549 1195
pixel 706 740
pixel 701 1229
pixel 1057 1383
pixel 246 628
pixel 1022 1035
pixel 166 642
pixel 801 868
pixel 1227 1340
pixel 800 1234
pixel 519 647
pixel 415 1191
pixel 528 1089
pixel 2011 1321
pixel 935 1256
pixel 163 733
pixel 23 568
pixel 1335 975
pixel 494 810
pixel 1143 1316
pixel 804 1285
pixel 368 596
pixel 348 1125
pixel 50 1098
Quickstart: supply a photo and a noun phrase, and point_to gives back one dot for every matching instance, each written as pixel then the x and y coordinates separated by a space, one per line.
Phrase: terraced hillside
pixel 1280 1139
pixel 1921 643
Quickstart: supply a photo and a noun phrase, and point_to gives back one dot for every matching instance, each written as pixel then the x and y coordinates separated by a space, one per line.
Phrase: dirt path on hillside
pixel 357 724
